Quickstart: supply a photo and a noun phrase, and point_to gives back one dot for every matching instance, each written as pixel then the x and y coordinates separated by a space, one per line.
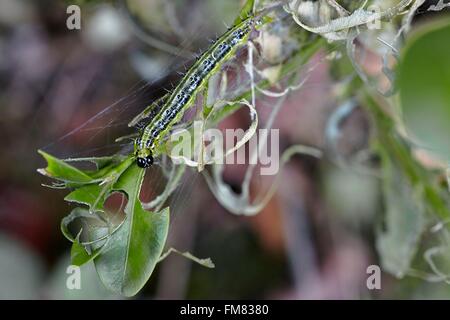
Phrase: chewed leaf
pixel 100 162
pixel 79 255
pixel 60 170
pixel 92 195
pixel 200 157
pixel 128 259
pixel 207 262
pixel 241 203
pixel 77 213
pixel 108 170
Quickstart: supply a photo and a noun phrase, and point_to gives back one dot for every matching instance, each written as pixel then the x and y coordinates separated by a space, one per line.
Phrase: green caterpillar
pixel 169 109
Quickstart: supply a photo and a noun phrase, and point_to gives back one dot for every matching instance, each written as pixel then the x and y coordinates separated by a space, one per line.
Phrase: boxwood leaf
pixel 92 195
pixel 424 84
pixel 60 170
pixel 404 220
pixel 131 253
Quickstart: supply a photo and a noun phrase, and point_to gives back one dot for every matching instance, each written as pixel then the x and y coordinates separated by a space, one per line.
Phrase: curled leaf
pixel 203 262
pixel 130 255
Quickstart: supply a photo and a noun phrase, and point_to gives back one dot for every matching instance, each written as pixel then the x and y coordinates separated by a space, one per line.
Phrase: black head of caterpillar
pixel 144 162
pixel 144 157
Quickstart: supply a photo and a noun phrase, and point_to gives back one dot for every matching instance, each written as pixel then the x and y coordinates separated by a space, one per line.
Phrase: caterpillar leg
pixel 128 136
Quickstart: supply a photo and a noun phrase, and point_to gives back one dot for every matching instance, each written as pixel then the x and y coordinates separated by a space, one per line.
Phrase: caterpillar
pixel 158 118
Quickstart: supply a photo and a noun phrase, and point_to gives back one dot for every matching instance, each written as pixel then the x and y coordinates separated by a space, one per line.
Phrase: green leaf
pixel 424 83
pixel 94 195
pixel 404 220
pixel 128 259
pixel 91 195
pixel 77 213
pixel 100 162
pixel 107 172
pixel 79 254
pixel 58 169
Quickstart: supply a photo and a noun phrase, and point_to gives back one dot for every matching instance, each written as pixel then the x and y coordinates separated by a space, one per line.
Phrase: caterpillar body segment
pixel 150 112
